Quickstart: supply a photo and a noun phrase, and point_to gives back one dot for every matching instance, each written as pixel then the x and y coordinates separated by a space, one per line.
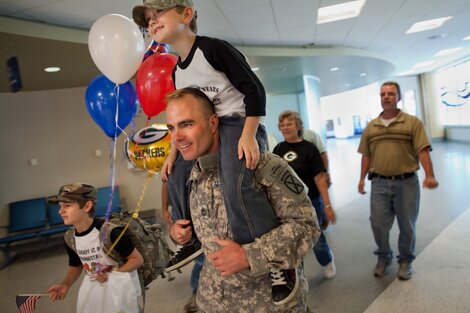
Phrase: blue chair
pixel 104 194
pixel 26 219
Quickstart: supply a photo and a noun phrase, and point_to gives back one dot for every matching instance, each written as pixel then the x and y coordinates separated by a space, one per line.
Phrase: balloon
pixel 116 46
pixel 155 47
pixel 100 99
pixel 154 81
pixel 149 147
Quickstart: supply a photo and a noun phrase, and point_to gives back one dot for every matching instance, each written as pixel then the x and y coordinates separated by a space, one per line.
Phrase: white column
pixel 311 110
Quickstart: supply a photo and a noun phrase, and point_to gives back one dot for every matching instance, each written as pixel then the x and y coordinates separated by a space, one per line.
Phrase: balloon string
pixel 138 206
pixel 113 161
pixel 135 214
pixel 112 158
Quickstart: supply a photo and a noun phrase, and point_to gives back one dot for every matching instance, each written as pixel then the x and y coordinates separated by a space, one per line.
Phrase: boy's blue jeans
pixel 249 212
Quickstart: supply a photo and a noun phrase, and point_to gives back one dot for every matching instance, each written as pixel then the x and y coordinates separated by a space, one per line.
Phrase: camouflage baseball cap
pixel 75 192
pixel 138 13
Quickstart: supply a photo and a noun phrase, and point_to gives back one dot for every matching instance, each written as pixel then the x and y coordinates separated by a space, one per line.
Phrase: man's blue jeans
pixel 196 272
pixel 321 249
pixel 390 198
pixel 249 212
pixel 198 262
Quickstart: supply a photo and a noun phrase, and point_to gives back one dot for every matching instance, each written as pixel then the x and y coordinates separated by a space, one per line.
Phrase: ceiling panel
pixel 68 13
pixel 229 6
pixel 289 16
pixel 297 36
pixel 379 30
pixel 22 5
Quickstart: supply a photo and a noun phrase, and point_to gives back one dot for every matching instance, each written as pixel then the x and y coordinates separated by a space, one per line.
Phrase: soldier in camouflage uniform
pixel 235 278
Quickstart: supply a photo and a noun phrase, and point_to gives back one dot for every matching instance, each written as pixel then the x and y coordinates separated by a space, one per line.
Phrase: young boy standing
pixel 76 207
pixel 220 71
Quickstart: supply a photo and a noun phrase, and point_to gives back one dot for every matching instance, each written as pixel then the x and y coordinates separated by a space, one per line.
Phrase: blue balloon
pixel 102 97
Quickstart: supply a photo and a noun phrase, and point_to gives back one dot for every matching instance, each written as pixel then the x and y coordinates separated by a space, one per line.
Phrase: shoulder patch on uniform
pixel 292 182
pixel 276 169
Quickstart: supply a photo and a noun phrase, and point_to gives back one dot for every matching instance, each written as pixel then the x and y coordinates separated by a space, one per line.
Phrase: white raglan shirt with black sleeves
pixel 222 72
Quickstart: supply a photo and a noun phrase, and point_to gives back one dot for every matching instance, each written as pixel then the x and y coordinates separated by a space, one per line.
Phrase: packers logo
pixel 150 134
pixel 149 148
pixel 290 156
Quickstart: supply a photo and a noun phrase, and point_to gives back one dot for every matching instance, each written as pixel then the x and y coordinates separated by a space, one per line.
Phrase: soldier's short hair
pixel 196 93
pixel 292 115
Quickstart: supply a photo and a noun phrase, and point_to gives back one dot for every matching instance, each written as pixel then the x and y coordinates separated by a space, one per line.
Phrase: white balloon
pixel 116 46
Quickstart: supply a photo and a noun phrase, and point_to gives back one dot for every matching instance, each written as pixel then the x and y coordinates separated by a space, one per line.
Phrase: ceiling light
pixel 427 25
pixel 423 64
pixel 447 51
pixel 363 74
pixel 339 11
pixel 467 38
pixel 334 69
pixel 254 69
pixel 347 85
pixel 52 69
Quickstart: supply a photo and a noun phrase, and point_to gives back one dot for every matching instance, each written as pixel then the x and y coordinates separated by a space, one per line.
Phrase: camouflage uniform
pixel 281 248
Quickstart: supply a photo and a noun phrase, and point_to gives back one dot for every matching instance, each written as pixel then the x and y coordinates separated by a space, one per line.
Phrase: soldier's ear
pixel 214 122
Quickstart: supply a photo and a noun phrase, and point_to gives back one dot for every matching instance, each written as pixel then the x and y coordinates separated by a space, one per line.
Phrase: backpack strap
pixel 69 238
pixel 105 236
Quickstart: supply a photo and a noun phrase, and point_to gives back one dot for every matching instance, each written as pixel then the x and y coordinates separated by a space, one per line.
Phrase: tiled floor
pixel 443 223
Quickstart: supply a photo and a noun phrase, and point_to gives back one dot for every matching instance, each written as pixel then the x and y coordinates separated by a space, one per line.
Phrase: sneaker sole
pixel 292 294
pixel 184 262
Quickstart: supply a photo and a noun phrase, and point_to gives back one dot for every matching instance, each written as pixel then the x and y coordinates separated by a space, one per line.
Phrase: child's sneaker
pixel 184 255
pixel 284 285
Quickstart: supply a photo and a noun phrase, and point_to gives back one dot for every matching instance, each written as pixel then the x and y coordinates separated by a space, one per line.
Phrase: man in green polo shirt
pixel 392 146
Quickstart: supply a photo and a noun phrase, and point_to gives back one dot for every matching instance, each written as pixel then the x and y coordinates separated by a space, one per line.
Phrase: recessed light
pixel 423 64
pixel 447 51
pixel 467 38
pixel 340 11
pixel 254 69
pixel 333 69
pixel 427 25
pixel 347 85
pixel 52 69
pixel 363 74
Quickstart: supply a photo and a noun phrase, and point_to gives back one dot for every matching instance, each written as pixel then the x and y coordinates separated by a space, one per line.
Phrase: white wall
pixel 55 128
pixel 341 107
pixel 458 133
pixel 275 105
pixel 365 103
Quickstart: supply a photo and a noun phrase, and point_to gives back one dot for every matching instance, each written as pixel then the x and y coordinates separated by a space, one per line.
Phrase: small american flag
pixel 27 303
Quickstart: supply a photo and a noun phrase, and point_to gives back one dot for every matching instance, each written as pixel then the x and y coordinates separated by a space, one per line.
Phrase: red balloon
pixel 154 81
